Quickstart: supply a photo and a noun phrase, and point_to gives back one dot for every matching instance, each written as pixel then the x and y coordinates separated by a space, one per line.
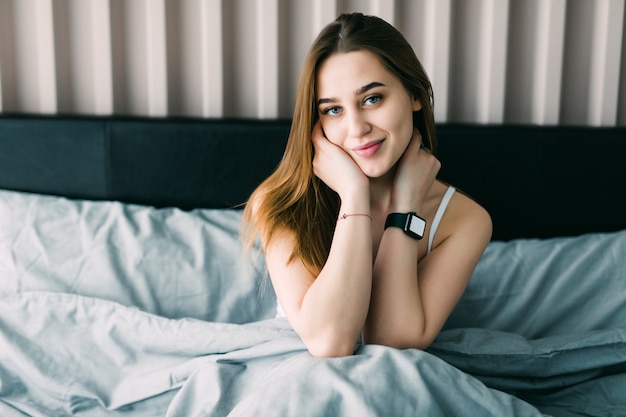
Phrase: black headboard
pixel 186 163
pixel 535 181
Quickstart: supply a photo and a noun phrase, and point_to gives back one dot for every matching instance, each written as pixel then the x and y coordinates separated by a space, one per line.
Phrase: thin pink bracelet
pixel 346 215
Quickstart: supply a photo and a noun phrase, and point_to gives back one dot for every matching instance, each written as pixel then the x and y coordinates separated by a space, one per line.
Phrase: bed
pixel 124 290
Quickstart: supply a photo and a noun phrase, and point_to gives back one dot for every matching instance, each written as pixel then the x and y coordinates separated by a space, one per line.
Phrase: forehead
pixel 347 71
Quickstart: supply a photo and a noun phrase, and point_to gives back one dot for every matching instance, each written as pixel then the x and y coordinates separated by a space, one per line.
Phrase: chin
pixel 374 173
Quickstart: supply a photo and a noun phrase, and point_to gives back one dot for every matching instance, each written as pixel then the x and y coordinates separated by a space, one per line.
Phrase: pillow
pixel 164 261
pixel 539 288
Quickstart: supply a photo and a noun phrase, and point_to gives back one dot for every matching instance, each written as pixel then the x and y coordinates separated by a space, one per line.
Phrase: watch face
pixel 417 225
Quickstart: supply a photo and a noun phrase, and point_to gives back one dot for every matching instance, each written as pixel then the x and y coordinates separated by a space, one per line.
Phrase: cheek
pixel 409 129
pixel 405 126
pixel 333 132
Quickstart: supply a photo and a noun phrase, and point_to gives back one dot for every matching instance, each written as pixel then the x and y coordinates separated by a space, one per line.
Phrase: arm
pixel 411 301
pixel 329 311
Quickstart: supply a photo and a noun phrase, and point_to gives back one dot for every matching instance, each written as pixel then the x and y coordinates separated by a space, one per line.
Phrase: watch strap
pixel 410 223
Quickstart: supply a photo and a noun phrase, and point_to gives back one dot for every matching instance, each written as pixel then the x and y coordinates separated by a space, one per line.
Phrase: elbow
pixel 413 343
pixel 328 339
pixel 404 340
pixel 405 343
pixel 330 346
pixel 419 341
pixel 328 351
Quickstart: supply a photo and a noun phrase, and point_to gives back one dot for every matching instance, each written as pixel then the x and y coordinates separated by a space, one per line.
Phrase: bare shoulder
pixel 288 274
pixel 279 252
pixel 467 214
pixel 464 216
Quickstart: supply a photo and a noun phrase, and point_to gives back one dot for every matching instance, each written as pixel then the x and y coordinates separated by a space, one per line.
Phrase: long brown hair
pixel 293 198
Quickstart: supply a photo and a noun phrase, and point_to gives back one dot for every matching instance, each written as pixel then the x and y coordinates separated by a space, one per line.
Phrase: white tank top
pixel 443 205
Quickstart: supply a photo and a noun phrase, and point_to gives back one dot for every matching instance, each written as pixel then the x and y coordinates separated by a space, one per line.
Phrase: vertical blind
pixel 545 62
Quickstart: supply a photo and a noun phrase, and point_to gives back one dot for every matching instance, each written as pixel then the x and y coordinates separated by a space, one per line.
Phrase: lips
pixel 368 149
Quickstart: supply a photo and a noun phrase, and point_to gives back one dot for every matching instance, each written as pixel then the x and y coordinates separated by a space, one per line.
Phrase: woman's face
pixel 365 110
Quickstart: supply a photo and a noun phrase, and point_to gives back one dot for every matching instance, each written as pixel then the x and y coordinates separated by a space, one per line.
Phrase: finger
pixel 318 132
pixel 317 137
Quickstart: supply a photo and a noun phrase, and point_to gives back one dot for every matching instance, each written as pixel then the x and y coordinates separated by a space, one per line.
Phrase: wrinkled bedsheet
pixel 109 309
pixel 63 354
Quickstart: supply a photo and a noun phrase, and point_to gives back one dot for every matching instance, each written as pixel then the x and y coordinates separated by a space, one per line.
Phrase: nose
pixel 357 124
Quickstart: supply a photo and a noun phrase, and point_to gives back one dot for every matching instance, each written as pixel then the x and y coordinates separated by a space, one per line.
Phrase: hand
pixel 415 175
pixel 334 166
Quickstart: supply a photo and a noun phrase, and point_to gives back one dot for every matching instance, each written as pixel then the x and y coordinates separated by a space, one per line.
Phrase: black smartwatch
pixel 412 224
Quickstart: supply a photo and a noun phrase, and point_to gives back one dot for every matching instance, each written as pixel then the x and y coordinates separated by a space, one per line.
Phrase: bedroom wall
pixel 491 61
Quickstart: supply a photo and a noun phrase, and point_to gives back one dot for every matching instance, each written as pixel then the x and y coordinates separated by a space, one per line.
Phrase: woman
pixel 342 217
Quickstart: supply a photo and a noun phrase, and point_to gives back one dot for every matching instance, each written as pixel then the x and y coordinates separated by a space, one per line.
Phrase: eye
pixel 332 111
pixel 371 100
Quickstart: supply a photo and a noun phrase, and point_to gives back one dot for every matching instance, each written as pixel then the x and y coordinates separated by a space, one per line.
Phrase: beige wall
pixel 491 61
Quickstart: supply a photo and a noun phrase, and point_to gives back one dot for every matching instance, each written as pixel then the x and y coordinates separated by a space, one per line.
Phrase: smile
pixel 368 149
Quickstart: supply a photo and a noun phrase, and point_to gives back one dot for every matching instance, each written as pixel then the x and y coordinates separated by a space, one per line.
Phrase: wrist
pixel 356 201
pixel 405 207
pixel 410 223
pixel 405 201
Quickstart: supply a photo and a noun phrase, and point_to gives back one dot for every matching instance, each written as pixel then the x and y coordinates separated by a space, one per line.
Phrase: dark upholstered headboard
pixel 535 181
pixel 161 162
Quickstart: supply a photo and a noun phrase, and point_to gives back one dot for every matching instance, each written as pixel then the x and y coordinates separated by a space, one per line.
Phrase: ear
pixel 417 105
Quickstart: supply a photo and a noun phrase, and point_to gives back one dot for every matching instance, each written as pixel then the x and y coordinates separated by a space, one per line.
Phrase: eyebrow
pixel 357 92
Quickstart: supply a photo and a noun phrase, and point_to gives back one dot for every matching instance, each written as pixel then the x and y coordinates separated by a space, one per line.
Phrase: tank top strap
pixel 438 215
